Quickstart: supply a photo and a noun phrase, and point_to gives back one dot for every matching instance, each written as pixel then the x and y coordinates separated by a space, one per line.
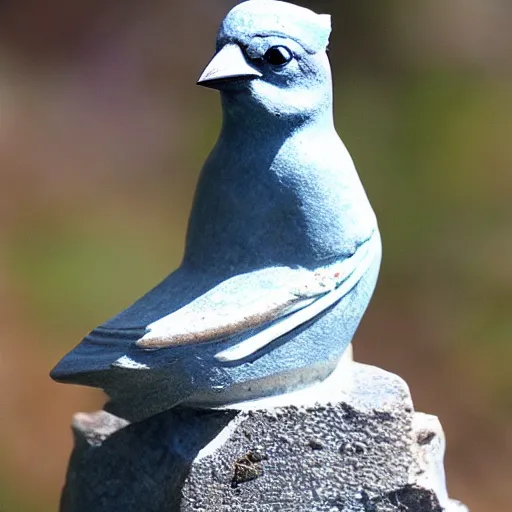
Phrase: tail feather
pixel 95 355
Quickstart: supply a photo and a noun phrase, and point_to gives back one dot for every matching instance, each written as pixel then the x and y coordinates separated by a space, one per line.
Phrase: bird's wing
pixel 271 301
pixel 239 304
pixel 347 274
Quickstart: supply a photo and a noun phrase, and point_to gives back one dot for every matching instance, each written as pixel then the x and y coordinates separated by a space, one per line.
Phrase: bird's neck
pixel 268 195
pixel 265 125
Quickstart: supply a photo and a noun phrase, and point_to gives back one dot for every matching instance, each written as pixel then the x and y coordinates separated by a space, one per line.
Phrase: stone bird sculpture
pixel 282 250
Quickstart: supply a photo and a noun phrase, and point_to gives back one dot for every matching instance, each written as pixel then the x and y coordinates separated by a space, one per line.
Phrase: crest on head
pixel 272 17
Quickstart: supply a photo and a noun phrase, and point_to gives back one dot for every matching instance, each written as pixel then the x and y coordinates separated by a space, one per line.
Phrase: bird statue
pixel 282 251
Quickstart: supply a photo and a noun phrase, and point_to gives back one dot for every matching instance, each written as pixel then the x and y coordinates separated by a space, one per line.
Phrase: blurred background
pixel 102 135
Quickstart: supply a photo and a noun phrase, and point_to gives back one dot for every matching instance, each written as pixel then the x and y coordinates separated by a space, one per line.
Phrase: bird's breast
pixel 277 206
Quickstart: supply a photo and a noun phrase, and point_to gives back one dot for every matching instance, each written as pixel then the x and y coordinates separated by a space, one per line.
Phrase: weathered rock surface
pixel 367 452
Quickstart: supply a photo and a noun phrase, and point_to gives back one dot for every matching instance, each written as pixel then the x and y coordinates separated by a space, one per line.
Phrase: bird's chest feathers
pixel 263 192
pixel 280 204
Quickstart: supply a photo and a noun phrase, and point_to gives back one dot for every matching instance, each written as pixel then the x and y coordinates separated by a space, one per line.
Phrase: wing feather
pixel 233 308
pixel 275 301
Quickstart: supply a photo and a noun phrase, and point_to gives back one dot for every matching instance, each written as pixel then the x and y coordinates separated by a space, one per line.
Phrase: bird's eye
pixel 278 56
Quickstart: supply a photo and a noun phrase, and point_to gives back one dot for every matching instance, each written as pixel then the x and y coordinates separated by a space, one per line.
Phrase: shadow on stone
pixel 141 466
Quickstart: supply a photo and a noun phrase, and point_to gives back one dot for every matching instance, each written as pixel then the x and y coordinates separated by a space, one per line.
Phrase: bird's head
pixel 271 59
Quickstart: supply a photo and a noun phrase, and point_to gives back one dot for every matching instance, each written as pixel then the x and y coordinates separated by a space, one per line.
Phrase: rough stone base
pixel 367 452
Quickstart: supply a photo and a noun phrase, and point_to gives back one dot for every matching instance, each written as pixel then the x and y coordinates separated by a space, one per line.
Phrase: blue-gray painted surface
pixel 282 250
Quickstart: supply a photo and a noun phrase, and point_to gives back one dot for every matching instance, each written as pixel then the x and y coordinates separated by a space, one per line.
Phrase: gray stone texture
pixel 367 452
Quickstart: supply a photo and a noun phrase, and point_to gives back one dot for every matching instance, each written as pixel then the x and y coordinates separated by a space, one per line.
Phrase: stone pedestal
pixel 367 451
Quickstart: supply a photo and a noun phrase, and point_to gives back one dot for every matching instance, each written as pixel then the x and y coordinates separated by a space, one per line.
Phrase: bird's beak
pixel 227 66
